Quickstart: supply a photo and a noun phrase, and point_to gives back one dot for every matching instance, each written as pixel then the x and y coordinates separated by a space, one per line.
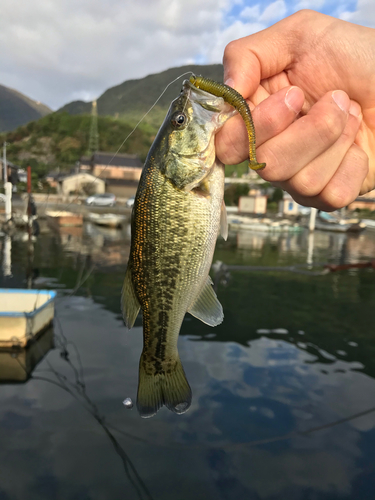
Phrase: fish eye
pixel 178 120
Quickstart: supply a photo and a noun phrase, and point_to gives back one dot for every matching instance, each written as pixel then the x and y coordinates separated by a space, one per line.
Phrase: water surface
pixel 283 391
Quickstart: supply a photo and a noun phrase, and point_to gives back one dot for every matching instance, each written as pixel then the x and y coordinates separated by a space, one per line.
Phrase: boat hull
pixel 24 314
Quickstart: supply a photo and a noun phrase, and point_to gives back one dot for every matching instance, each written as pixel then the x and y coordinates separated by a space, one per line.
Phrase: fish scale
pixel 169 218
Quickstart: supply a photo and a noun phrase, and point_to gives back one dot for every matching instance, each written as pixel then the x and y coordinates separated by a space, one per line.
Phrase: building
pixel 53 178
pixel 121 172
pixel 287 206
pixel 101 172
pixel 84 164
pixel 116 166
pixel 12 172
pixel 121 188
pixel 254 203
pixel 82 182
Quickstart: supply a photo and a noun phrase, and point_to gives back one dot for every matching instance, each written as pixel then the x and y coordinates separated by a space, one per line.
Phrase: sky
pixel 58 51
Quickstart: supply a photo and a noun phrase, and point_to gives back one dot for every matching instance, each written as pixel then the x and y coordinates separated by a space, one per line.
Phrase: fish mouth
pixel 207 100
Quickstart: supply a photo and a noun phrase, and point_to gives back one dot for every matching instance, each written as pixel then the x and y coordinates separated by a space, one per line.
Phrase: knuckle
pixel 230 51
pixel 350 131
pixel 274 161
pixel 346 188
pixel 361 157
pixel 329 128
pixel 268 121
pixel 306 183
pixel 357 165
pixel 339 195
pixel 336 199
pixel 306 14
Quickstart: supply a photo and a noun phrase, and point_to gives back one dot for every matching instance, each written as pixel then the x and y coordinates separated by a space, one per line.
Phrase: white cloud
pixel 265 14
pixel 57 50
pixel 310 4
pixel 65 50
pixel 364 14
pixel 250 13
pixel 273 12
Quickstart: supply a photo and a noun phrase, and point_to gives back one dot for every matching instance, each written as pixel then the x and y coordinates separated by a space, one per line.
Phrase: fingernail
pixel 355 109
pixel 229 82
pixel 293 100
pixel 342 100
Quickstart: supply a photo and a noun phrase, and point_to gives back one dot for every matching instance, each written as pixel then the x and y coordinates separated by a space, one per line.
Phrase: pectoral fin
pixel 223 221
pixel 129 303
pixel 206 307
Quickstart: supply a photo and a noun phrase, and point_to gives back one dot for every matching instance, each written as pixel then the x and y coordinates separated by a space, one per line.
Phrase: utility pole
pixel 7 186
pixel 5 172
pixel 313 212
pixel 94 134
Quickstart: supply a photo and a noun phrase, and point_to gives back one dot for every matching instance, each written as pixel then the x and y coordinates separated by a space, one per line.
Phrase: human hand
pixel 318 136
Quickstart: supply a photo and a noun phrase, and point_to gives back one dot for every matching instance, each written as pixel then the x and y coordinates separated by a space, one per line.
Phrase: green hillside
pixel 132 99
pixel 59 140
pixel 16 109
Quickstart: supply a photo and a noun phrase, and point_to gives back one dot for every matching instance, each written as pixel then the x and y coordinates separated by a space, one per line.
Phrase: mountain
pixel 61 138
pixel 58 140
pixel 133 98
pixel 16 109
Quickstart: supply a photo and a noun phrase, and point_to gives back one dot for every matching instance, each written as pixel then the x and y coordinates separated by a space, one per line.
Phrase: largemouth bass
pixel 177 214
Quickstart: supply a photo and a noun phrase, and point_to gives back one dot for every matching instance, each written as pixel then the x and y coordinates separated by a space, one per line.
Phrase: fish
pixel 177 215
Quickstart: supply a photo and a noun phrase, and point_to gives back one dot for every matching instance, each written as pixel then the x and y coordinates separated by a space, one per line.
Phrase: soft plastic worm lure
pixel 236 100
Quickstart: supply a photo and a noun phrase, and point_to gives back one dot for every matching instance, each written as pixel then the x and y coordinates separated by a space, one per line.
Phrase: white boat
pixel 108 220
pixel 243 223
pixel 331 222
pixel 370 223
pixel 58 218
pixel 24 314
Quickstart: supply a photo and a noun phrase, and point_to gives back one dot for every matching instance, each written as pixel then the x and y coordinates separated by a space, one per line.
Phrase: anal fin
pixel 206 306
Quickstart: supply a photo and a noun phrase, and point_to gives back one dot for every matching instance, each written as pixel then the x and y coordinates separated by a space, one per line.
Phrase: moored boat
pixel 17 364
pixel 331 222
pixel 58 219
pixel 24 314
pixel 108 220
pixel 244 223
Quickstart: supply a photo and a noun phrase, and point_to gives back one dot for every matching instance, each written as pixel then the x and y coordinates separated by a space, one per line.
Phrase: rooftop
pixel 116 160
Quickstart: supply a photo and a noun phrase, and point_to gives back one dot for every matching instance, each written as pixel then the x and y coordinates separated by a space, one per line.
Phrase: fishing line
pixel 126 138
pixel 66 206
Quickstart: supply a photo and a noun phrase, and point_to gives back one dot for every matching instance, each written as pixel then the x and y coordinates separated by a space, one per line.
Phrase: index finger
pixel 269 52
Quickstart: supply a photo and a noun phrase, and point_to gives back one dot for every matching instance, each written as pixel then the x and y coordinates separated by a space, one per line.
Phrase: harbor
pixel 287 377
pixel 187 251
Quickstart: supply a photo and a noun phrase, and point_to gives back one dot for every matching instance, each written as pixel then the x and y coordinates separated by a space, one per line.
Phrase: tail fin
pixel 169 388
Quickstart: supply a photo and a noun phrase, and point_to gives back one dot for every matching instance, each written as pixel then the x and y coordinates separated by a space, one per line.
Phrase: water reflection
pixel 304 246
pixel 7 259
pixel 17 364
pixel 284 389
